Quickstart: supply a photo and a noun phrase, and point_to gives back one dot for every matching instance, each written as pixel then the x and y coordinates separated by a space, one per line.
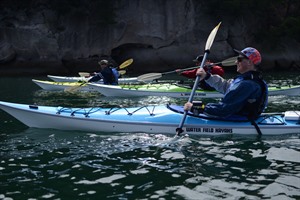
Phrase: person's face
pixel 243 64
pixel 103 65
pixel 199 63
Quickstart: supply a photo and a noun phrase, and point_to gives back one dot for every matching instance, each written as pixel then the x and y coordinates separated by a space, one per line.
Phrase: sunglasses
pixel 240 59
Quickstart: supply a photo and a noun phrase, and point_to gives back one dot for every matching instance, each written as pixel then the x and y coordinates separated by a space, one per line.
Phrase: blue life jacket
pixel 115 75
pixel 253 109
pixel 246 96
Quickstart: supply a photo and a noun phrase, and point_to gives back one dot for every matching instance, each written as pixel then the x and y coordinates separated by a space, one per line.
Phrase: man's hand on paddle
pixel 188 106
pixel 201 72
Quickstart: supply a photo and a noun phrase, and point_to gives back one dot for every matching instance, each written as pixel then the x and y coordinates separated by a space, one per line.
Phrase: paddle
pixel 228 62
pixel 126 63
pixel 152 76
pixel 208 45
pixel 122 72
pixel 74 88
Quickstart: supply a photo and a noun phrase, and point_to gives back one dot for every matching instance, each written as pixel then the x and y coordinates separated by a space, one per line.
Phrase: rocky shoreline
pixel 64 37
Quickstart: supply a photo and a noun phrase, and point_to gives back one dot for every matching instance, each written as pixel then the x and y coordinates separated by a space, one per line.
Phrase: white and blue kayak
pixel 85 79
pixel 162 119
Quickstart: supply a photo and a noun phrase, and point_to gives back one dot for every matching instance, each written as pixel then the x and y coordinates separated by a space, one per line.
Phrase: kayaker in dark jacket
pixel 245 95
pixel 107 74
pixel 208 67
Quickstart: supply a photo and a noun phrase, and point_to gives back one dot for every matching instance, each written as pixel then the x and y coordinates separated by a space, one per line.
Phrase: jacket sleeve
pixel 217 82
pixel 232 102
pixel 217 70
pixel 189 73
pixel 96 78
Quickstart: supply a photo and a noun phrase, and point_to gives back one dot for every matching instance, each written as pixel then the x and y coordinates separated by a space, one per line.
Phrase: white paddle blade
pixel 149 77
pixel 84 74
pixel 211 37
pixel 229 61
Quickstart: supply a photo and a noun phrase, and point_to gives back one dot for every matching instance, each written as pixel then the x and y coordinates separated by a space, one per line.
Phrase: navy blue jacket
pixel 242 95
pixel 107 75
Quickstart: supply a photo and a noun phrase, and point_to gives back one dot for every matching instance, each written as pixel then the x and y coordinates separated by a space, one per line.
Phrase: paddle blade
pixel 84 74
pixel 149 77
pixel 211 37
pixel 122 72
pixel 229 61
pixel 126 63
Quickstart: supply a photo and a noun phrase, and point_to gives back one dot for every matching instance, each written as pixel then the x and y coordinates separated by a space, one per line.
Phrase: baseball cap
pixel 250 53
pixel 103 62
pixel 198 58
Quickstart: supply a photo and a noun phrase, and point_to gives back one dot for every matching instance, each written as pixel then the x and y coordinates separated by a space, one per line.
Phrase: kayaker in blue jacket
pixel 108 74
pixel 246 95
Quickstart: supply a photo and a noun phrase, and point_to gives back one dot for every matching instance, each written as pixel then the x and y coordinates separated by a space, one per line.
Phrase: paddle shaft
pixel 152 76
pixel 189 68
pixel 197 80
pixel 74 88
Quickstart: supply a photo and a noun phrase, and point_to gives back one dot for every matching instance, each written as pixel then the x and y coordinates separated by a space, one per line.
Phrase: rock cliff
pixel 64 37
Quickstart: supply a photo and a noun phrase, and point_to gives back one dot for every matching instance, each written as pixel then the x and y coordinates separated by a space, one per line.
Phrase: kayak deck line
pixel 288 115
pixel 97 109
pixel 88 111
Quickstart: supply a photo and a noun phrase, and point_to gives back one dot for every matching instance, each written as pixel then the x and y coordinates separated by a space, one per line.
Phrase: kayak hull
pixel 151 89
pixel 76 79
pixel 146 119
pixel 67 78
pixel 61 86
pixel 173 90
pixel 167 89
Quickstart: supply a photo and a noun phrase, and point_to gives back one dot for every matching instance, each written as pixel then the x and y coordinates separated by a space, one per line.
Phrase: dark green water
pixel 53 164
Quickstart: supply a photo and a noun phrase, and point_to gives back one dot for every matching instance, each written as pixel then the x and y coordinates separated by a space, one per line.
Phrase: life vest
pixel 115 76
pixel 254 108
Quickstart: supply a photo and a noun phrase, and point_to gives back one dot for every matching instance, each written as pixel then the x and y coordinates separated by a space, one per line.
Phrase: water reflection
pixel 60 164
